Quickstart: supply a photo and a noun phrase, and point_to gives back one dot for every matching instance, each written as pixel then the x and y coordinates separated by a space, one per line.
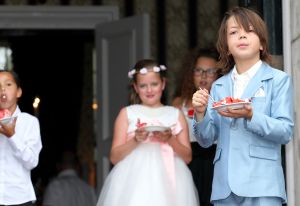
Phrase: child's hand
pixel 163 136
pixel 8 129
pixel 141 134
pixel 245 112
pixel 200 100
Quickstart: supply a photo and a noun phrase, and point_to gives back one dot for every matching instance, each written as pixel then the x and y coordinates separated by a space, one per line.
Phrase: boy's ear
pixel 19 92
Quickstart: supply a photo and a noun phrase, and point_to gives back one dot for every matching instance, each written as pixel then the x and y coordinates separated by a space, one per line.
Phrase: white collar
pixel 248 74
pixel 16 112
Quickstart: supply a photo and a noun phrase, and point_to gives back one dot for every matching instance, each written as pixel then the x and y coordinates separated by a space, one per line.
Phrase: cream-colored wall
pixel 295 57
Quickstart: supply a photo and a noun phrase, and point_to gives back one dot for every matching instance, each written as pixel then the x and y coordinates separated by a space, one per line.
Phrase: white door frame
pixel 119 44
pixel 289 149
pixel 55 17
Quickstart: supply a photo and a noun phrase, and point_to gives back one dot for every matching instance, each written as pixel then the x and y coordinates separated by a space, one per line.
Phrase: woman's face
pixel 149 87
pixel 205 72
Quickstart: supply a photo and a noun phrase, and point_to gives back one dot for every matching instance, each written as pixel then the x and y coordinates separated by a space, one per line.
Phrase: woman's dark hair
pixel 186 88
pixel 245 18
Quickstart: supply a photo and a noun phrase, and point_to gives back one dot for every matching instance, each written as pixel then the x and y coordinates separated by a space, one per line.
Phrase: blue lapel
pixel 263 73
pixel 224 85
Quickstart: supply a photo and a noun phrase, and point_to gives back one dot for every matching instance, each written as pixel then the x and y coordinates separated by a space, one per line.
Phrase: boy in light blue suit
pixel 247 164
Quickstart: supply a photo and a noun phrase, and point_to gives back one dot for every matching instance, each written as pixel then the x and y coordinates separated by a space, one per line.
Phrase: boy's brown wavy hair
pixel 245 18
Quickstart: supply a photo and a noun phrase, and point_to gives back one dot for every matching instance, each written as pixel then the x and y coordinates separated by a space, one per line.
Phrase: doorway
pixel 49 53
pixel 50 64
pixel 127 40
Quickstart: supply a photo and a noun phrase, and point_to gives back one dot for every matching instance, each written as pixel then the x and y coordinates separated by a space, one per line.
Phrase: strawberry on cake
pixel 4 113
pixel 227 101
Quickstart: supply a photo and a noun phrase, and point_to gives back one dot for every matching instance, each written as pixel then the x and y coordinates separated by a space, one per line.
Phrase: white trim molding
pixel 287 59
pixel 56 17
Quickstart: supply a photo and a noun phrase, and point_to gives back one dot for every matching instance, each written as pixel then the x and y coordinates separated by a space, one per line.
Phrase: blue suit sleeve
pixel 205 130
pixel 277 127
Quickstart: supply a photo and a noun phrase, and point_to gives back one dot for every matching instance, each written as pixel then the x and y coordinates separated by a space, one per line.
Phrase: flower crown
pixel 144 70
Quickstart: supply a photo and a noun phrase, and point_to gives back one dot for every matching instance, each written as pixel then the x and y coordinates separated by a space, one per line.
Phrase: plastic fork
pixel 208 95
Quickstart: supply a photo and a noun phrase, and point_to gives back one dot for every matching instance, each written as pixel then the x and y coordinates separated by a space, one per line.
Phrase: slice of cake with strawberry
pixel 234 103
pixel 5 115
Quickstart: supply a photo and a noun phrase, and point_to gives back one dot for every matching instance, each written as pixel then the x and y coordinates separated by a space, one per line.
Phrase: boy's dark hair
pixel 15 76
pixel 68 159
pixel 245 18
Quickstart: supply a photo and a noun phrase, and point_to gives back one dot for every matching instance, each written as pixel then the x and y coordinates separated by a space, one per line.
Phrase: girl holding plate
pixel 150 148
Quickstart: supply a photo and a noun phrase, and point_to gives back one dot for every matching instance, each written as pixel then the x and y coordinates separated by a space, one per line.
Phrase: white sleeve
pixel 26 142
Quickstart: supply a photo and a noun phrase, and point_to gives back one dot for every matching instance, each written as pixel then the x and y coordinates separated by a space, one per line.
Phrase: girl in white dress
pixel 150 148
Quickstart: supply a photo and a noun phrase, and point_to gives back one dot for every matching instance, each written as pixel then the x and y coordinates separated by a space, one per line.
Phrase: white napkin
pixel 260 92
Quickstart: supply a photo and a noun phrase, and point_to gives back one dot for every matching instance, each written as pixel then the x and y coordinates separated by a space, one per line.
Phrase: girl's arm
pixel 181 143
pixel 120 147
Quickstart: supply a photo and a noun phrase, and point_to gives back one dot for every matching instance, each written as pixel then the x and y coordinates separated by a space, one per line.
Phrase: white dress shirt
pixel 19 154
pixel 240 81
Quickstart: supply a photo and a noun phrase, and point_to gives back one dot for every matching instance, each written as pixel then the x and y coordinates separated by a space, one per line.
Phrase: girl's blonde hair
pixel 245 18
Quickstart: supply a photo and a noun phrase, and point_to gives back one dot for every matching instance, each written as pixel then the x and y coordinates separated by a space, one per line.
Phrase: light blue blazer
pixel 248 156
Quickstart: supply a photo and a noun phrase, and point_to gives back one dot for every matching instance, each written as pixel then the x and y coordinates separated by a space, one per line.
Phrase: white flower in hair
pixel 163 67
pixel 156 69
pixel 143 70
pixel 131 73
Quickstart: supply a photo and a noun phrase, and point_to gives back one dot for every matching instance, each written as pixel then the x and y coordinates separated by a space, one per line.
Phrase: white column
pixel 290 173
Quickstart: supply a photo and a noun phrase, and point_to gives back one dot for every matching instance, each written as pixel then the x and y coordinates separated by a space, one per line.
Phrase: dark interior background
pixel 50 65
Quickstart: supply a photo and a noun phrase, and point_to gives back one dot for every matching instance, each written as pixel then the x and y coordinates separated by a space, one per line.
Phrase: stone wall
pixel 176 17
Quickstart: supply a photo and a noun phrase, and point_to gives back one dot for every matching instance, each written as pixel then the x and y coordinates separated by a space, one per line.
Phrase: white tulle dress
pixel 152 174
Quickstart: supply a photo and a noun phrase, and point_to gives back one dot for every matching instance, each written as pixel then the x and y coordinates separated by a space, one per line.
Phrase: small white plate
pixel 237 105
pixel 7 120
pixel 156 128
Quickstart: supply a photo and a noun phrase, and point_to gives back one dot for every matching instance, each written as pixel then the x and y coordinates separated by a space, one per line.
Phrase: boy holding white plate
pixel 247 163
pixel 20 145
